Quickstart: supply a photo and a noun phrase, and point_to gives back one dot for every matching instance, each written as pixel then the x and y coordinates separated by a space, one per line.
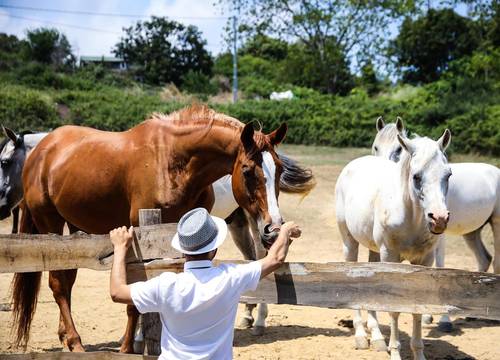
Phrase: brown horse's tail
pixel 25 288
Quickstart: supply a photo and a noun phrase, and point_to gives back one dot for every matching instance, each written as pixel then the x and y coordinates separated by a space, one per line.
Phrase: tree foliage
pixel 163 51
pixel 425 47
pixel 49 46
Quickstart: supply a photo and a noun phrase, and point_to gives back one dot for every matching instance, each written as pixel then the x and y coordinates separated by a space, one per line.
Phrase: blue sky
pixel 107 29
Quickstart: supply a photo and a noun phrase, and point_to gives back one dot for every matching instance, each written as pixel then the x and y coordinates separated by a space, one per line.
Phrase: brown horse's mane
pixel 198 114
pixel 205 117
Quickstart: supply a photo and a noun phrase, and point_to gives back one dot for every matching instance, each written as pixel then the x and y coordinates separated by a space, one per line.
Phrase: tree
pixel 369 78
pixel 425 47
pixel 328 73
pixel 49 46
pixel 265 47
pixel 12 51
pixel 164 51
pixel 355 28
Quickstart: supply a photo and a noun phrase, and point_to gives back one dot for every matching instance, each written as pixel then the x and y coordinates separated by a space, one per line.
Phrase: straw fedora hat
pixel 198 232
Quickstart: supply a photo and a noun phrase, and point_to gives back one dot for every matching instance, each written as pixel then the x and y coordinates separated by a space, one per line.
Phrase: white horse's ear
pixel 400 125
pixel 444 140
pixel 380 123
pixel 406 144
pixel 10 134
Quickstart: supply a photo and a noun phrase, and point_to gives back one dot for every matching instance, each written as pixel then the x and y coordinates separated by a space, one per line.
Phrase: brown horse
pixel 95 181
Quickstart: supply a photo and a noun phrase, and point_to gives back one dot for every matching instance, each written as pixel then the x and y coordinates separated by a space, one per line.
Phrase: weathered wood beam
pixel 370 286
pixel 97 355
pixel 23 252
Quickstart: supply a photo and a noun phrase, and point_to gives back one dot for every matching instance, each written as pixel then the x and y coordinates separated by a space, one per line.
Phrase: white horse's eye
pixel 417 180
pixel 376 149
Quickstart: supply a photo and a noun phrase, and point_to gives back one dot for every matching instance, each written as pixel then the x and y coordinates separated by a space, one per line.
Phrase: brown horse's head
pixel 256 176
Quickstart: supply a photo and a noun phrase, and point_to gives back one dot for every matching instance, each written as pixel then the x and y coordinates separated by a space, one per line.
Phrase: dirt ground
pixel 293 332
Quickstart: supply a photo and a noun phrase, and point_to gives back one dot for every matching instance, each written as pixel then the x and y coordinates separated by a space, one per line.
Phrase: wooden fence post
pixel 151 323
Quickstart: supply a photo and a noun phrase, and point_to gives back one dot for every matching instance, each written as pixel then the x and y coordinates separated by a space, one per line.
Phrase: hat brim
pixel 214 244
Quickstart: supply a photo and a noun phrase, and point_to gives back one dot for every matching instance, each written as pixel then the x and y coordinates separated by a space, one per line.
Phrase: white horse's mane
pixel 389 133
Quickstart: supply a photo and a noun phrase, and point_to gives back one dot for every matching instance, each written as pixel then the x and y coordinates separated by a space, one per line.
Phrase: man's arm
pixel 118 288
pixel 277 253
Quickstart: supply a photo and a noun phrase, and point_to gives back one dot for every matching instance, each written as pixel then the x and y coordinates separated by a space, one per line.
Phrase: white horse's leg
pixel 360 335
pixel 444 323
pixel 387 255
pixel 351 248
pixel 474 242
pixel 238 228
pixel 139 338
pixel 377 340
pixel 495 226
pixel 394 344
pixel 260 322
pixel 416 344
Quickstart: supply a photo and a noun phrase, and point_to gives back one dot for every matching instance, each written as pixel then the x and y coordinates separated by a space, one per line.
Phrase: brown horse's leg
pixel 70 277
pixel 128 338
pixel 61 283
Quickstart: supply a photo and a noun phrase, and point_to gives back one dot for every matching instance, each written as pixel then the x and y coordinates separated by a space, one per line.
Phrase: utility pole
pixel 235 60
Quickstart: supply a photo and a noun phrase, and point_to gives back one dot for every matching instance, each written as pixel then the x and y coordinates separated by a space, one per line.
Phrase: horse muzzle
pixel 438 222
pixel 269 234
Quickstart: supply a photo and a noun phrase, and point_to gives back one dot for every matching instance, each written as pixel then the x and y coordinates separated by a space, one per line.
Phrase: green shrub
pixel 26 109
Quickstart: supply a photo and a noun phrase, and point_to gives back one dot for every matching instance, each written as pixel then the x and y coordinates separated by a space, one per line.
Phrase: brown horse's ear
pixel 247 137
pixel 278 135
pixel 10 134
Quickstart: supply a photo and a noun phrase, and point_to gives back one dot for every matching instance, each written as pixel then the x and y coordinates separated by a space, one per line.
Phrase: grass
pixel 325 155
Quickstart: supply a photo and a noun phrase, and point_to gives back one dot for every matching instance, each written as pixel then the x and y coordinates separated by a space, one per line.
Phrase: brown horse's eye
pixel 247 171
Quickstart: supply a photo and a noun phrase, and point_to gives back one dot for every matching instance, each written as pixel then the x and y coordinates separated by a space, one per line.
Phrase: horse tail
pixel 295 179
pixel 25 288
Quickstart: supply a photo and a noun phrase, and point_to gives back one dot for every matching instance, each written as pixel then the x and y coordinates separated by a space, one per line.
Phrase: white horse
pixel 473 199
pixel 397 210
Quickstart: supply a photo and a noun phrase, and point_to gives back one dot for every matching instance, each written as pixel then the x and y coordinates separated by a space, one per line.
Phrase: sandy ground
pixel 293 332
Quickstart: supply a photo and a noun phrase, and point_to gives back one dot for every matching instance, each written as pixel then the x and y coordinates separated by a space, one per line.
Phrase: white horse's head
pixel 386 143
pixel 426 171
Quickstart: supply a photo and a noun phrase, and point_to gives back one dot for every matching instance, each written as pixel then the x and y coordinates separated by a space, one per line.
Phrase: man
pixel 197 307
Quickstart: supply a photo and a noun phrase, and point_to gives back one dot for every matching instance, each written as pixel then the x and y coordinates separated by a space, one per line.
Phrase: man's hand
pixel 292 229
pixel 278 251
pixel 121 237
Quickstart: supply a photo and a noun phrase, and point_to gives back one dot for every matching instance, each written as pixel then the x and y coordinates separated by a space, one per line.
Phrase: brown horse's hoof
pixel 127 348
pixel 78 348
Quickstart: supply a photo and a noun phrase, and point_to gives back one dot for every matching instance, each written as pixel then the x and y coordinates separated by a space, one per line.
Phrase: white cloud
pixel 87 42
pixel 212 29
pixel 4 19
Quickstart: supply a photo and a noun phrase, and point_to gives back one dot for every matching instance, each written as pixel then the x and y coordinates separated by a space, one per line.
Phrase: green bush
pixel 26 109
pixel 467 107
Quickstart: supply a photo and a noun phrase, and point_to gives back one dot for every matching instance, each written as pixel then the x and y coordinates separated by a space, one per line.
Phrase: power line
pixel 81 12
pixel 61 24
pixel 86 28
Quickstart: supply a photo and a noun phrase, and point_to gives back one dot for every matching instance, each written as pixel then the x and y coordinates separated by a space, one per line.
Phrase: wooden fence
pixel 370 286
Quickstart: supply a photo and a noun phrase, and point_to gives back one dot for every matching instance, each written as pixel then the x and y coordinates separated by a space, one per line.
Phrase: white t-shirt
pixel 197 307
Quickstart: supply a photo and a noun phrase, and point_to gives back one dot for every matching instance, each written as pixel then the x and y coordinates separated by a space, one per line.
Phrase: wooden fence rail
pixel 385 287
pixel 382 286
